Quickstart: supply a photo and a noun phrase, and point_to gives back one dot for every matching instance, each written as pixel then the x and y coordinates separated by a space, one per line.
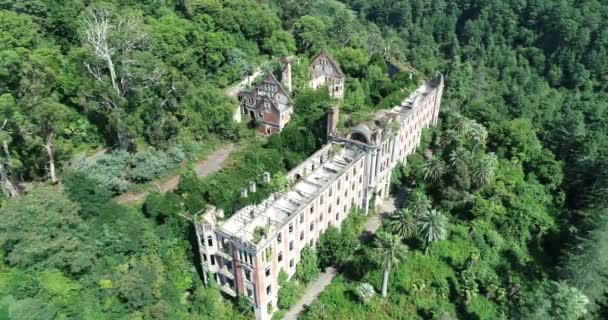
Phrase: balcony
pixel 226 288
pixel 224 255
pixel 227 273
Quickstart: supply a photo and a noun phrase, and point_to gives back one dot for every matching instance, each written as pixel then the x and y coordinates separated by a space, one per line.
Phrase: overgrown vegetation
pixel 506 215
pixel 516 167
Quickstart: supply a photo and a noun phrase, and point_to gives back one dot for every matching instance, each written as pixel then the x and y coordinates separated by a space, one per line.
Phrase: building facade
pixel 267 102
pixel 245 253
pixel 324 71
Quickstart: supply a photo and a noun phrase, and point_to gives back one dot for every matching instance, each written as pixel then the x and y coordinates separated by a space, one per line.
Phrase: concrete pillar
pixel 367 180
pixel 376 161
pixel 267 177
pixel 252 187
pixel 261 313
pixel 244 193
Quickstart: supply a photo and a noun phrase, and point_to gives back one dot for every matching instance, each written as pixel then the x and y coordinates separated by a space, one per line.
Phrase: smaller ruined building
pixel 324 71
pixel 268 103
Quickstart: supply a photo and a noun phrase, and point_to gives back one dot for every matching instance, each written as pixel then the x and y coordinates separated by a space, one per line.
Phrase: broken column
pixel 266 177
pixel 286 76
pixel 333 116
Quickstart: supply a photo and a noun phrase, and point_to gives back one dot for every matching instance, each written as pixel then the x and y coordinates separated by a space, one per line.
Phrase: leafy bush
pixel 337 246
pixel 162 206
pixel 192 190
pixel 108 171
pixel 82 189
pixel 177 154
pixel 365 292
pixel 148 165
pixel 308 267
pixel 259 233
pixel 288 293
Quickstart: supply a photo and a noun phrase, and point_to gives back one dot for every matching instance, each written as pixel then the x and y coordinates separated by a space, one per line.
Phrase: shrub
pixel 289 292
pixel 337 247
pixel 84 190
pixel 308 268
pixel 148 165
pixel 177 154
pixel 108 171
pixel 162 206
pixel 365 292
pixel 259 233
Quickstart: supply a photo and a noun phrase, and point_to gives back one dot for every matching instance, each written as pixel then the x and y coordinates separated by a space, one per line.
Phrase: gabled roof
pixel 270 77
pixel 278 106
pixel 331 60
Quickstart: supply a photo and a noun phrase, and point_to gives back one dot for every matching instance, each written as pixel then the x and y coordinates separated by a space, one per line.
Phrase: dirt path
pixel 214 162
pixel 316 288
pixel 95 156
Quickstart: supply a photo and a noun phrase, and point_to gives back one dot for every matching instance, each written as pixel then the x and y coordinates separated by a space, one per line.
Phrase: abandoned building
pixel 324 71
pixel 267 103
pixel 245 253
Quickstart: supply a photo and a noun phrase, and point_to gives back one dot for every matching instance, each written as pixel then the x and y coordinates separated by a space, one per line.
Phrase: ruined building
pixel 324 71
pixel 245 252
pixel 268 103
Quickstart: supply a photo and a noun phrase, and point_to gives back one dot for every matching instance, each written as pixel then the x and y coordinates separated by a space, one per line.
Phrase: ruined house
pixel 268 103
pixel 324 71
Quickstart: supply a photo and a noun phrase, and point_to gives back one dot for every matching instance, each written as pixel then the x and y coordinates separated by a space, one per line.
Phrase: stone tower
pixel 286 76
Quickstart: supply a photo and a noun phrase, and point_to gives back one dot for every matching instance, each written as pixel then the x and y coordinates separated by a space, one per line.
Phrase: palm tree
pixel 433 226
pixel 482 170
pixel 433 168
pixel 458 157
pixel 449 139
pixel 460 124
pixel 403 223
pixel 418 202
pixel 389 251
pixel 477 134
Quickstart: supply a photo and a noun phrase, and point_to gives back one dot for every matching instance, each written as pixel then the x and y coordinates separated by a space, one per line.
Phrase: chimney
pixel 286 76
pixel 333 115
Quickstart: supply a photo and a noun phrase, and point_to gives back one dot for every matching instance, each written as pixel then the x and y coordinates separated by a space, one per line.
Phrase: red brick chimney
pixel 333 116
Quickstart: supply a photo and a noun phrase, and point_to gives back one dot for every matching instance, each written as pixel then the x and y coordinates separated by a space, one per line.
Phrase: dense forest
pixel 506 215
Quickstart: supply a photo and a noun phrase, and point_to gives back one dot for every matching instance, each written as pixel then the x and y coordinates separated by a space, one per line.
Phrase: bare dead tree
pixel 7 185
pixel 49 146
pixel 113 42
pixel 131 38
pixel 168 96
pixel 97 33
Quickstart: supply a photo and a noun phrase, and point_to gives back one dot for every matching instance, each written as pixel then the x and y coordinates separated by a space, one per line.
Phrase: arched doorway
pixel 359 137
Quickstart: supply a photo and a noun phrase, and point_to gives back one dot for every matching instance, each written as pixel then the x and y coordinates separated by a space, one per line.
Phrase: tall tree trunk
pixel 112 74
pixel 49 150
pixel 7 186
pixel 387 271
